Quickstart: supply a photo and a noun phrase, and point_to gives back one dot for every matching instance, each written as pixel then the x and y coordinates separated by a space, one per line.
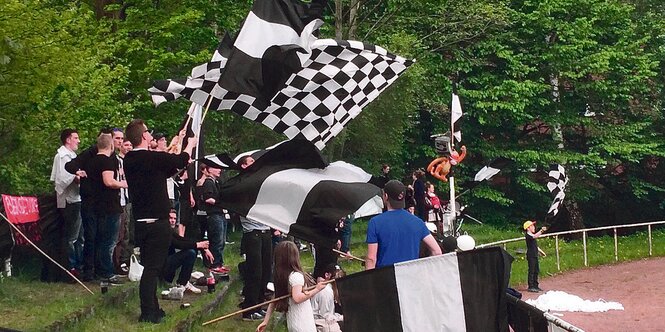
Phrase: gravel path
pixel 639 286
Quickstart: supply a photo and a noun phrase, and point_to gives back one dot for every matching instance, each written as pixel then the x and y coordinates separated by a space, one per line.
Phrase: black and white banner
pixel 454 292
pixel 292 189
pixel 455 115
pixel 556 185
pixel 279 74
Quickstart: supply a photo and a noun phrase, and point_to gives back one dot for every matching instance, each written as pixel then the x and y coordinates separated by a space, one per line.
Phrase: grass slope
pixel 30 305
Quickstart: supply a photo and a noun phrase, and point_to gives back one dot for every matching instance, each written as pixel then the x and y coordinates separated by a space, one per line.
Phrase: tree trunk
pixel 575 220
pixel 339 20
pixel 353 19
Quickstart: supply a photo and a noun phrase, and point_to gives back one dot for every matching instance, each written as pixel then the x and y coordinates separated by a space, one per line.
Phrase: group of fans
pixel 131 193
pixel 131 189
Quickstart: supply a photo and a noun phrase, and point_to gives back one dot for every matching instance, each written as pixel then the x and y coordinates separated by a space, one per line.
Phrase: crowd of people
pixel 132 193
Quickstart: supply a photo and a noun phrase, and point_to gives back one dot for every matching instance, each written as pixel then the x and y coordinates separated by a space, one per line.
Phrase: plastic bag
pixel 135 269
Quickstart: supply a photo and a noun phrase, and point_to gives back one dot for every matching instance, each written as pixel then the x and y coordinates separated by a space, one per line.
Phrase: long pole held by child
pixel 261 304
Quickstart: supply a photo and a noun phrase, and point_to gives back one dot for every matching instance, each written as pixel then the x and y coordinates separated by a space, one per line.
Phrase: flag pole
pixel 43 253
pixel 261 304
pixel 451 176
pixel 348 255
pixel 206 110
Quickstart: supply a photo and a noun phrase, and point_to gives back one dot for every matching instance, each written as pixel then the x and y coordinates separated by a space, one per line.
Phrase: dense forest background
pixel 576 82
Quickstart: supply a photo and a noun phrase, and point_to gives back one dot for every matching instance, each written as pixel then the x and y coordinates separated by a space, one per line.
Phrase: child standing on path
pixel 290 279
pixel 530 235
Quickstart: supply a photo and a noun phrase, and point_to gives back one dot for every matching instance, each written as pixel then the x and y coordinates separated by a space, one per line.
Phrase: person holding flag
pixel 530 235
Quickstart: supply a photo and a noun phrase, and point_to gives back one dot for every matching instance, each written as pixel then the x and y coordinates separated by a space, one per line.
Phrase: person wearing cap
pixel 395 235
pixel 216 221
pixel 158 142
pixel 530 235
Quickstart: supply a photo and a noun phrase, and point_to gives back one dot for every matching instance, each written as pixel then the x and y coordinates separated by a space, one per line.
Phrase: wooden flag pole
pixel 260 305
pixel 348 255
pixel 43 253
pixel 203 117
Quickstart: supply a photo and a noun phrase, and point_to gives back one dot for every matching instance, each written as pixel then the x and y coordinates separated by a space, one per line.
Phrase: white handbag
pixel 135 269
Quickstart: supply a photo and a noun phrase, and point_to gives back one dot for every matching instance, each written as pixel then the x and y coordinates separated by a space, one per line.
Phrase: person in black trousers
pixel 146 173
pixel 530 236
pixel 256 244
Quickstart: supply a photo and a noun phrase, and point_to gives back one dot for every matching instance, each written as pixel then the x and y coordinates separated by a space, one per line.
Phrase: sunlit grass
pixel 28 304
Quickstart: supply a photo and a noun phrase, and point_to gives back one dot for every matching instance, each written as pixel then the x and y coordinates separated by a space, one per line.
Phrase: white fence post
pixel 616 246
pixel 586 263
pixel 558 259
pixel 650 248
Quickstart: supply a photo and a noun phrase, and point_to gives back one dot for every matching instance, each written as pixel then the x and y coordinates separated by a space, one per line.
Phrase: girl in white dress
pixel 290 279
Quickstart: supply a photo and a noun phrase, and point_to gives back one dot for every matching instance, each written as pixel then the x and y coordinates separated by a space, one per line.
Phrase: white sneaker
pixel 192 288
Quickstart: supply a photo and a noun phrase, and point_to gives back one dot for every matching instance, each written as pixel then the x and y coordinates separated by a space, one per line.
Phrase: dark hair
pixel 116 129
pixel 65 133
pixel 106 130
pixel 134 131
pixel 330 268
pixel 419 173
pixel 428 184
pixel 384 166
pixel 287 260
pixel 243 160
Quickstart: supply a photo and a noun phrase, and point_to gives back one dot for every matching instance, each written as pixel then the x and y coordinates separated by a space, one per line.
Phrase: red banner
pixel 21 209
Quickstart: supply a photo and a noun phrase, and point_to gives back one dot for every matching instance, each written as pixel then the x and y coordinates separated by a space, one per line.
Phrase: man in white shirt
pixel 68 198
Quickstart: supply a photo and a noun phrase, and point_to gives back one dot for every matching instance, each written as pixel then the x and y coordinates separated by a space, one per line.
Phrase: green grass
pixel 28 304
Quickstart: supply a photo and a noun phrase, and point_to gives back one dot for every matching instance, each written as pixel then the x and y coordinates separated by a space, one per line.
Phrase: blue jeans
pixel 183 259
pixel 108 225
pixel 73 234
pixel 89 223
pixel 217 237
pixel 345 235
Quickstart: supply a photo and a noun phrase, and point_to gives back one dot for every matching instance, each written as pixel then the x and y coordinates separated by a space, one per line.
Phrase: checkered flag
pixel 279 74
pixel 203 77
pixel 556 184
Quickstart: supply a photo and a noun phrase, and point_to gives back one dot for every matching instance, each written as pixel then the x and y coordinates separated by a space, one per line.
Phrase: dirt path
pixel 639 286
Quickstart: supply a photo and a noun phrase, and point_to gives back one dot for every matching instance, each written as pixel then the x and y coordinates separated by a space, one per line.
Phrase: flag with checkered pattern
pixel 276 72
pixel 556 184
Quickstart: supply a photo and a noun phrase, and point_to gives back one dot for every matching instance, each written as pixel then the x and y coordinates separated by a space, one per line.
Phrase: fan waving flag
pixel 292 189
pixel 556 184
pixel 455 292
pixel 280 75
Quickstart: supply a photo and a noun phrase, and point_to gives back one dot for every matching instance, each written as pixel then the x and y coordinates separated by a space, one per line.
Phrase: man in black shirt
pixel 216 221
pixel 146 172
pixel 80 167
pixel 105 189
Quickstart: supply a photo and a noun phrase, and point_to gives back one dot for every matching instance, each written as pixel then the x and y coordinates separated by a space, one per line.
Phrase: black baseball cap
pixel 396 193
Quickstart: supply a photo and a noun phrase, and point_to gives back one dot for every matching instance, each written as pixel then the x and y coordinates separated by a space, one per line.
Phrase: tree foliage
pixel 555 81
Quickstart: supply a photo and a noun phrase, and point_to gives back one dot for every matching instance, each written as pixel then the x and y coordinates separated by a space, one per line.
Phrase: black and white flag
pixel 292 189
pixel 203 77
pixel 492 169
pixel 455 115
pixel 225 161
pixel 556 185
pixel 279 74
pixel 455 292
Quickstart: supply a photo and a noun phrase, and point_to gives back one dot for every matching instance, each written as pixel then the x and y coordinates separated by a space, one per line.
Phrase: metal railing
pixel 584 239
